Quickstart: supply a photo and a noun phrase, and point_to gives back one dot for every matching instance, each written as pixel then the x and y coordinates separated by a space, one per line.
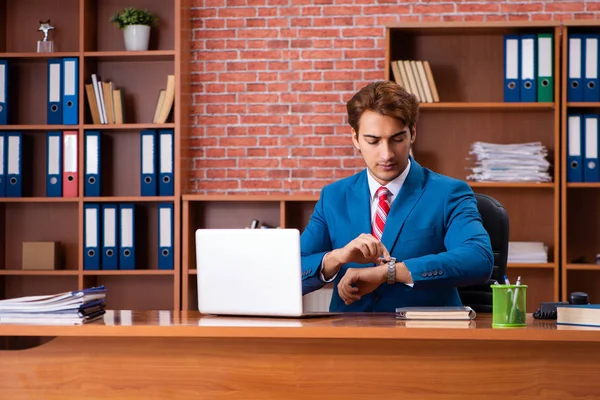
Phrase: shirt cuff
pixel 321 277
pixel 409 284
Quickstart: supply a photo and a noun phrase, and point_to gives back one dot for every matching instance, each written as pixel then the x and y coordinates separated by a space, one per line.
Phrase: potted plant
pixel 136 25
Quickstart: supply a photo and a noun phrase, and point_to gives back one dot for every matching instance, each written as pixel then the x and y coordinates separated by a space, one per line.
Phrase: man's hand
pixel 365 249
pixel 357 282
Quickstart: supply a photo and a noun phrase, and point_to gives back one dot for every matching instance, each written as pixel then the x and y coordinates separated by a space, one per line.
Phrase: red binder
pixel 70 164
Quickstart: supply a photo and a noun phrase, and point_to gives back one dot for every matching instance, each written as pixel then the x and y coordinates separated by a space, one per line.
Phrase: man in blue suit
pixel 395 234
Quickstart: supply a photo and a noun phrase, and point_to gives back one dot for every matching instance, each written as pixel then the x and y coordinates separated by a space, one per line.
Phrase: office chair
pixel 495 222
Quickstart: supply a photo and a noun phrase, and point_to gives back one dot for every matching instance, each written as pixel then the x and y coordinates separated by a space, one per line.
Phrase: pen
pixel 507 282
pixel 514 300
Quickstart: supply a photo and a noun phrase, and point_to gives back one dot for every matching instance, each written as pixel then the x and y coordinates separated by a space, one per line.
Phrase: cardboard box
pixel 41 255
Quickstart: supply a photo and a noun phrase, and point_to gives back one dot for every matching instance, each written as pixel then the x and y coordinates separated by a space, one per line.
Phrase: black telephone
pixel 547 310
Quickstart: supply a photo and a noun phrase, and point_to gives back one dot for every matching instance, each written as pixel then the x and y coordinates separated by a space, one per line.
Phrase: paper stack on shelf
pixel 527 252
pixel 520 162
pixel 68 308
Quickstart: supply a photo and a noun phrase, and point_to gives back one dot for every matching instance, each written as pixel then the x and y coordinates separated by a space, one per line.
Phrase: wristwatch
pixel 391 271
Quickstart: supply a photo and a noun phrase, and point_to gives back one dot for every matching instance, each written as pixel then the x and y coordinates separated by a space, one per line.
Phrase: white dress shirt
pixel 394 188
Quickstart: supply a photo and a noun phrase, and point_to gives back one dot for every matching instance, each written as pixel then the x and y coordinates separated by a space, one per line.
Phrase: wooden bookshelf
pixel 467 64
pixel 83 31
pixel 580 215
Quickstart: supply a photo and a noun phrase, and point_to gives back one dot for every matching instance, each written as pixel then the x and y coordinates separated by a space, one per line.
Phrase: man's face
pixel 384 143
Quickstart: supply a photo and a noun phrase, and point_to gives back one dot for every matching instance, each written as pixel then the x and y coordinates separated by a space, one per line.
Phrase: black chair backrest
pixel 495 222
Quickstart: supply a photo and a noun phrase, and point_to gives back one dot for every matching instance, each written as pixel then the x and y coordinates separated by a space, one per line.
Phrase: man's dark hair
pixel 386 98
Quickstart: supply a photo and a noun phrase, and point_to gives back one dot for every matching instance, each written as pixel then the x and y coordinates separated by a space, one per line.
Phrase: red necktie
pixel 383 208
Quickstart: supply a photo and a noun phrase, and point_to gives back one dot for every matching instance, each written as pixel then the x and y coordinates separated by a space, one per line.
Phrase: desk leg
pixel 196 368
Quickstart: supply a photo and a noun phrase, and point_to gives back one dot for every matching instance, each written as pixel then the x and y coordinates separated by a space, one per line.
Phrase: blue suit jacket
pixel 433 226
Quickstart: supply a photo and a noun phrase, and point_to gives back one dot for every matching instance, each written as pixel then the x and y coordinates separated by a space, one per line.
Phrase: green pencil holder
pixel 509 306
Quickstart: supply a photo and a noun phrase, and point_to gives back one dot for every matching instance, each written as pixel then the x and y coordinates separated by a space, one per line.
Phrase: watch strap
pixel 391 271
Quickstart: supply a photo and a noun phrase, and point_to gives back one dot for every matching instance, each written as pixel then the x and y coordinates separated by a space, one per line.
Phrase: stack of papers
pixel 523 162
pixel 527 252
pixel 68 308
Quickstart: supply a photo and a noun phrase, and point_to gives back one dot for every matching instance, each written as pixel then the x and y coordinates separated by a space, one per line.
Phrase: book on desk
pixel 435 313
pixel 578 314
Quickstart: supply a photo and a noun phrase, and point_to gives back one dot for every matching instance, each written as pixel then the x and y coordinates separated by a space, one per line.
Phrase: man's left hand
pixel 357 282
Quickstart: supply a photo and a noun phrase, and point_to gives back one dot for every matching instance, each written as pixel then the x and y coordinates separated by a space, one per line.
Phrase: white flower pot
pixel 137 37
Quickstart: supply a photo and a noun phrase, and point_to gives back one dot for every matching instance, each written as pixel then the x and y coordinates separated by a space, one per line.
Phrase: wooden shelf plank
pixel 39 127
pixel 193 272
pixel 31 55
pixel 21 272
pixel 129 126
pixel 584 104
pixel 524 185
pixel 301 197
pixel 583 267
pixel 123 199
pixel 39 199
pixel 151 55
pixel 531 265
pixel 487 106
pixel 135 272
pixel 583 185
pixel 244 197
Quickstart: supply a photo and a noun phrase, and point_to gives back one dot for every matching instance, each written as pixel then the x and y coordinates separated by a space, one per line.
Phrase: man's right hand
pixel 365 249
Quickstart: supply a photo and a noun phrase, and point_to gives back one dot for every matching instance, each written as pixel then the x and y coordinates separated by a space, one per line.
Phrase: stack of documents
pixel 69 308
pixel 522 162
pixel 527 252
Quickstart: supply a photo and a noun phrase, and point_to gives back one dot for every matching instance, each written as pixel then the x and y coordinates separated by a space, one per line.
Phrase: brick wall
pixel 271 78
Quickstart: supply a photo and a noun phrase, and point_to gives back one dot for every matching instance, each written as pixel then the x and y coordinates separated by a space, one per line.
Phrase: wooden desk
pixel 182 355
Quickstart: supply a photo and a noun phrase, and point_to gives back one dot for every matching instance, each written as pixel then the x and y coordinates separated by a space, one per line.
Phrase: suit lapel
pixel 409 195
pixel 358 202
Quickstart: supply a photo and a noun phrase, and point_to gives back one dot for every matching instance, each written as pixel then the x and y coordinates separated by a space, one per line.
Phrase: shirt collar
pixel 394 186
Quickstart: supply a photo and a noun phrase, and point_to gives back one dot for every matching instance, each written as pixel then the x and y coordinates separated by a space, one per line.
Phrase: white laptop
pixel 253 272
